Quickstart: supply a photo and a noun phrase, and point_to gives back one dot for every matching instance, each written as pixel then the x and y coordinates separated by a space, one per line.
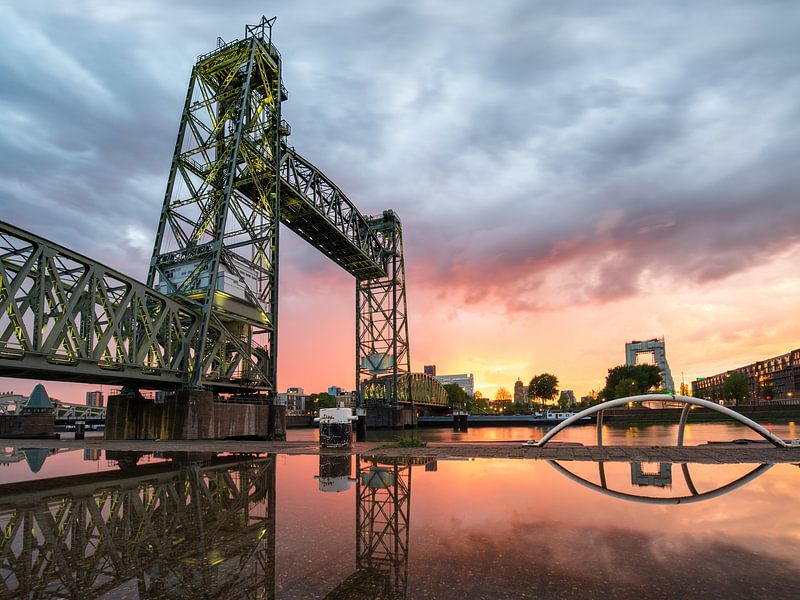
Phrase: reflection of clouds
pixel 491 502
pixel 562 560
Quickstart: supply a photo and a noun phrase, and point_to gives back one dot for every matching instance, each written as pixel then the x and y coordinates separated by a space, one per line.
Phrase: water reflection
pixel 178 525
pixel 185 528
pixel 662 479
pixel 383 514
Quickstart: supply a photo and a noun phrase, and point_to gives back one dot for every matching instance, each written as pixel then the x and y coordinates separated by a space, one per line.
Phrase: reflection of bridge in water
pixel 198 526
pixel 201 529
pixel 191 527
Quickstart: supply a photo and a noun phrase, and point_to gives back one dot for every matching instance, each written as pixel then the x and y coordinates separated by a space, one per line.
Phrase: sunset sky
pixel 570 175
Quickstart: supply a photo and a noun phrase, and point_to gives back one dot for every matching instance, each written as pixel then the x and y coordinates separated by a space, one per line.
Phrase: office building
pixel 94 399
pixel 464 380
pixel 520 397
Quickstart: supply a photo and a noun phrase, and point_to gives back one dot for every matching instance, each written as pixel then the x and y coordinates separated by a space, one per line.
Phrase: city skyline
pixel 564 186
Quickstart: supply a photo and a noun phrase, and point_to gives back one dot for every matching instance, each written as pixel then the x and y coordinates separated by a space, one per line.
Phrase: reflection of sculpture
pixel 200 530
pixel 642 476
pixel 603 488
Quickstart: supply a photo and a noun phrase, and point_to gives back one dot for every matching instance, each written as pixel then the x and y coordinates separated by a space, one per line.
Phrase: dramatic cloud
pixel 543 156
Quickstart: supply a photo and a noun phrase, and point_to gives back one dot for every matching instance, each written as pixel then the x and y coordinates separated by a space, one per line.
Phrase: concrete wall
pixel 32 425
pixel 191 415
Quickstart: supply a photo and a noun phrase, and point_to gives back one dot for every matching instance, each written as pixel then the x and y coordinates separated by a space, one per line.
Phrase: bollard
pixel 361 425
pixel 80 427
pixel 460 420
pixel 335 427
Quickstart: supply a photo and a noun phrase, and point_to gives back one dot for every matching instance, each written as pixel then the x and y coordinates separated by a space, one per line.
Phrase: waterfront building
pixel 464 380
pixel 782 373
pixel 294 399
pixel 429 370
pixel 650 352
pixel 335 390
pixel 345 399
pixel 94 399
pixel 520 397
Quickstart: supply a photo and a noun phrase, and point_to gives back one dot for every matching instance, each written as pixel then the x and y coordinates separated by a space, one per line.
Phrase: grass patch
pixel 405 442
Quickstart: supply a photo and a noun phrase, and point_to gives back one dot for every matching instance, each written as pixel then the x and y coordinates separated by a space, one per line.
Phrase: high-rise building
pixel 650 352
pixel 94 399
pixel 429 370
pixel 520 397
pixel 335 390
pixel 465 381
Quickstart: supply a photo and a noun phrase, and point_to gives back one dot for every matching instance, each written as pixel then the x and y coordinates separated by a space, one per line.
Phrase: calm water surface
pixel 644 435
pixel 81 524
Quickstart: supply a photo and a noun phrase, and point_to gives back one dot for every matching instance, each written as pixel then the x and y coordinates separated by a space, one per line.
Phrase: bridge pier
pixel 191 415
pixel 388 417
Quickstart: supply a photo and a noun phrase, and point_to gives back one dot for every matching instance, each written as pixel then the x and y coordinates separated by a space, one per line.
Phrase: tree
pixel 456 395
pixel 564 401
pixel 766 391
pixel 502 394
pixel 626 387
pixel 646 378
pixel 543 387
pixel 736 387
pixel 321 400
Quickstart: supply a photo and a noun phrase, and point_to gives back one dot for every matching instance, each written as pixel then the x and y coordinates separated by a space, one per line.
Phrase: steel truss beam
pixel 381 323
pixel 203 531
pixel 318 211
pixel 65 316
pixel 217 238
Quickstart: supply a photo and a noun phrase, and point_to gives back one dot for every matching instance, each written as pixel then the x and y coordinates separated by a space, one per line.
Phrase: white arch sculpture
pixel 686 400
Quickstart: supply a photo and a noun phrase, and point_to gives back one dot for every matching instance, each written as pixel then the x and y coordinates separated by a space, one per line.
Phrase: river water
pixel 95 524
pixel 613 435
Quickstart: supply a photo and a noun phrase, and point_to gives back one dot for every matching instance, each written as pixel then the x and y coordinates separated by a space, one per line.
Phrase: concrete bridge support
pixel 191 415
pixel 387 417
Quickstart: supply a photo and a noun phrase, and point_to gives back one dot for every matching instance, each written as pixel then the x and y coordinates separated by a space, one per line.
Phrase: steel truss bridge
pixel 207 316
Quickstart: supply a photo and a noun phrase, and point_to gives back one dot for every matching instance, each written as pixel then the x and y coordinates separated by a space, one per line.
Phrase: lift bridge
pixel 207 317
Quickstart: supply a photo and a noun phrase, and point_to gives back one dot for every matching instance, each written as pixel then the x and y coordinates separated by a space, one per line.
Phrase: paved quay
pixel 756 452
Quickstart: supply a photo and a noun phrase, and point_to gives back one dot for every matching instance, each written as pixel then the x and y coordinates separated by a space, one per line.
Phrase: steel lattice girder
pixel 217 239
pixel 318 211
pixel 164 528
pixel 66 317
pixel 381 323
pixel 424 390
